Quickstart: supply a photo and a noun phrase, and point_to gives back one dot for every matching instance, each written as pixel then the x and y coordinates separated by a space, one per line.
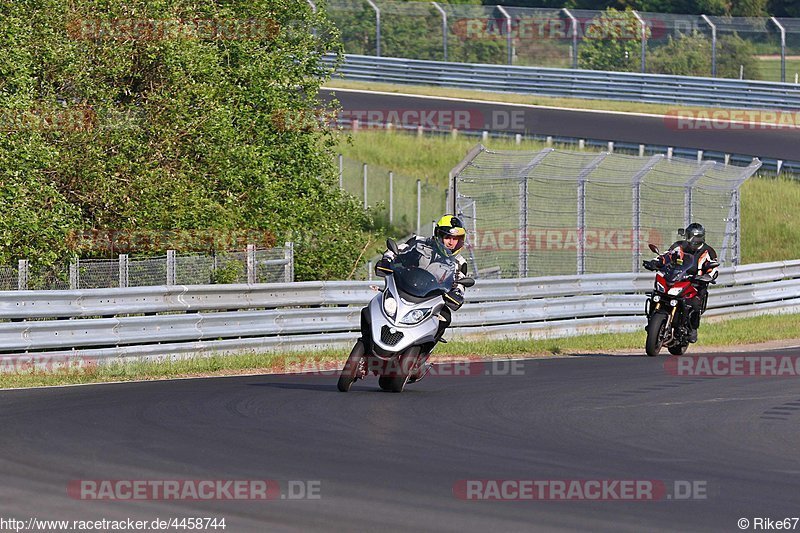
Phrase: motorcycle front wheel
pixel 350 371
pixel 398 377
pixel 655 334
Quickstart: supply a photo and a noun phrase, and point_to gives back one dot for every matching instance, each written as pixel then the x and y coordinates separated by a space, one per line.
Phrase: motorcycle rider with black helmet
pixel 694 243
pixel 445 245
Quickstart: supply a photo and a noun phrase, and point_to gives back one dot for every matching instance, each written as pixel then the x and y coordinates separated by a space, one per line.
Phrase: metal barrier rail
pixel 648 88
pixel 107 323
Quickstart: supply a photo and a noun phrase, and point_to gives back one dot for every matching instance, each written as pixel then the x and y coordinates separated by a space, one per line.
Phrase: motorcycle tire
pixel 655 334
pixel 678 350
pixel 397 382
pixel 349 373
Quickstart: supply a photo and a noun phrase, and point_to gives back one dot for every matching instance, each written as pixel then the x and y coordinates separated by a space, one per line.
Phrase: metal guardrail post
pixel 251 264
pixel 444 28
pixel 508 34
pixel 574 37
pixel 123 270
pixel 22 274
pixel 171 267
pixel 713 45
pixel 377 27
pixel 783 47
pixel 644 37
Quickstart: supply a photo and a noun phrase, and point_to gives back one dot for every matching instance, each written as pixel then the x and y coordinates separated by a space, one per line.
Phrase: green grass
pixel 771 69
pixel 722 333
pixel 770 218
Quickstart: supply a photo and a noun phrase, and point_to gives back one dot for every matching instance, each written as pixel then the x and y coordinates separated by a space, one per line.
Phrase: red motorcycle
pixel 668 308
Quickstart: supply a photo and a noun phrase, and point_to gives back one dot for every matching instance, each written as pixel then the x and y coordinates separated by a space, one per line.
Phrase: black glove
pixel 651 265
pixel 454 299
pixel 383 267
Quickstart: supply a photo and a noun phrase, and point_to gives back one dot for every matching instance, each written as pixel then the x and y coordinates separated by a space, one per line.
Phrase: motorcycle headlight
pixel 390 306
pixel 415 316
pixel 656 298
pixel 673 303
pixel 675 291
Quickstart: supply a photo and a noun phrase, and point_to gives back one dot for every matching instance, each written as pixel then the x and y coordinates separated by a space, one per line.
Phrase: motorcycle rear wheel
pixel 350 371
pixel 655 334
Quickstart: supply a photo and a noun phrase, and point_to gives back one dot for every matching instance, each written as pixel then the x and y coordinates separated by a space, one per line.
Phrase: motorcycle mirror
pixel 654 249
pixel 466 282
pixel 681 232
pixel 716 274
pixel 392 246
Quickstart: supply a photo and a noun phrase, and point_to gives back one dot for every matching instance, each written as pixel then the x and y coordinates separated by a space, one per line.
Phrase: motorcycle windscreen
pixel 676 272
pixel 417 276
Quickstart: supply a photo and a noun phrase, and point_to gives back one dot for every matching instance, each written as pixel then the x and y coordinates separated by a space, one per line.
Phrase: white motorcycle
pixel 399 326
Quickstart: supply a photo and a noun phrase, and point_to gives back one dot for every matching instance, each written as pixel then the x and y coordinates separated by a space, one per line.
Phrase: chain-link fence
pixel 404 203
pixel 696 45
pixel 557 212
pixel 270 265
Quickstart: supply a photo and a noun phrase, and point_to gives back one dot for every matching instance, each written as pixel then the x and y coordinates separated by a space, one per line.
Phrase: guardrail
pixel 593 84
pixel 176 321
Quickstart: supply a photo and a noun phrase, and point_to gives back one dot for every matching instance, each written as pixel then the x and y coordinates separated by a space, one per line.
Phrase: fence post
pixel 171 267
pixel 508 34
pixel 74 274
pixel 364 168
pixel 713 45
pixel 391 195
pixel 377 27
pixel 574 37
pixel 288 255
pixel 341 171
pixel 123 270
pixel 251 264
pixel 644 38
pixel 22 274
pixel 444 28
pixel 783 47
pixel 419 206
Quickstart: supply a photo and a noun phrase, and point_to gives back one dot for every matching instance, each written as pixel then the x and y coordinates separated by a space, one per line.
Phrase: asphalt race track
pixel 389 462
pixel 651 130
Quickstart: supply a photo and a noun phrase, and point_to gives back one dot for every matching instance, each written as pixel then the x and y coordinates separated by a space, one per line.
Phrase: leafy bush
pixel 121 124
pixel 613 43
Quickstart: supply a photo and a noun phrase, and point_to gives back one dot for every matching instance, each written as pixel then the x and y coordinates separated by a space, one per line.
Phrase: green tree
pixel 192 114
pixel 733 52
pixel 688 55
pixel 612 42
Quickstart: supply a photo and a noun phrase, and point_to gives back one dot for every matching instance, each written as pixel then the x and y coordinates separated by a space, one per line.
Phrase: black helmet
pixel 695 235
pixel 451 226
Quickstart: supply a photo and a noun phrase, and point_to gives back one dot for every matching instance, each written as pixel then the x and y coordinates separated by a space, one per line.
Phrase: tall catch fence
pixel 553 37
pixel 557 212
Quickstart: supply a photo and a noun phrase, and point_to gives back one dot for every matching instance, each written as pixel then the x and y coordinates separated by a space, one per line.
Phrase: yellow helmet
pixel 450 226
